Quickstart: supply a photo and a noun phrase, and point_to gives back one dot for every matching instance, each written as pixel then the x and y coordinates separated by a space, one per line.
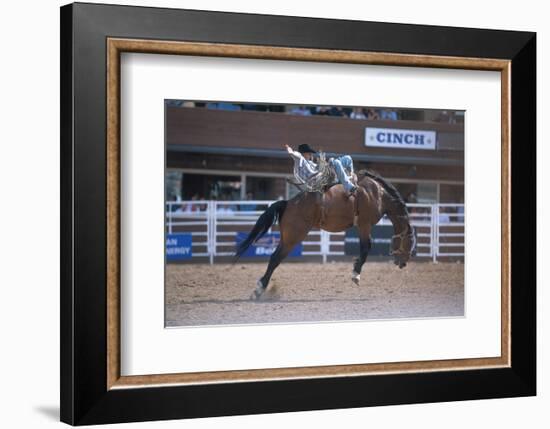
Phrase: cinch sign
pixel 178 247
pixel 266 245
pixel 396 138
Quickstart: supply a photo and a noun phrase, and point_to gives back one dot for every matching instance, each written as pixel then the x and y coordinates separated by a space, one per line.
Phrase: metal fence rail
pixel 214 226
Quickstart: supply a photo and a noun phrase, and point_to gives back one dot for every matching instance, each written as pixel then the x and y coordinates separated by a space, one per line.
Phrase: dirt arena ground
pixel 305 292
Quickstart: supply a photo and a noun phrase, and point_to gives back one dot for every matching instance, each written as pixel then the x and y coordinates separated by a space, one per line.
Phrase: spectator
pixel 203 207
pixel 175 207
pixel 225 208
pixel 388 115
pixel 445 117
pixel 372 115
pixel 300 110
pixel 322 110
pixel 357 113
pixel 411 198
pixel 444 218
pixel 190 207
pixel 336 111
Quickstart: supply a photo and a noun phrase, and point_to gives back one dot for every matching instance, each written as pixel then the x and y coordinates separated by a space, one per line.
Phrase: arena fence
pixel 214 226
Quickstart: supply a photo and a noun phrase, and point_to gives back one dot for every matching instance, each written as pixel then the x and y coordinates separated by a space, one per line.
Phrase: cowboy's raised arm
pixel 294 154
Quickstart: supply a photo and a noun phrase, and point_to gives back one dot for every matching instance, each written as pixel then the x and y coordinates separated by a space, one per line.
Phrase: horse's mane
pixel 388 187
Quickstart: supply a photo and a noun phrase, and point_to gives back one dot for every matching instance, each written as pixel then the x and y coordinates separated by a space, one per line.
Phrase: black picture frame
pixel 85 398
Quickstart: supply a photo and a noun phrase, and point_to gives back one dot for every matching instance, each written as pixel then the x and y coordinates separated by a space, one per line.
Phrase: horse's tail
pixel 268 218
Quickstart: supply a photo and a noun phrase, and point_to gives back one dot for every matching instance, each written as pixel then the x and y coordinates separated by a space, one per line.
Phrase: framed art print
pixel 267 213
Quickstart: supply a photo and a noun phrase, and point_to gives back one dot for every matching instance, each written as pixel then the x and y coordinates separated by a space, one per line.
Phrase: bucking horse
pixel 333 210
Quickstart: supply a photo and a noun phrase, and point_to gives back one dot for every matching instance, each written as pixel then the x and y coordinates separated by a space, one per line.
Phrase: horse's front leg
pixel 365 244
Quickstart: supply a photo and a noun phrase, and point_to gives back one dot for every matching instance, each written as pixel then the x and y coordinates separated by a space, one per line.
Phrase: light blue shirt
pixel 303 169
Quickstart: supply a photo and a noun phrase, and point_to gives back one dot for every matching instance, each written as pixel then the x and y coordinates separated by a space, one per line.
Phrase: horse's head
pixel 403 246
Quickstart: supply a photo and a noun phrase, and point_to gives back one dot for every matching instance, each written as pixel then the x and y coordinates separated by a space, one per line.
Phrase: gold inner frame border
pixel 116 46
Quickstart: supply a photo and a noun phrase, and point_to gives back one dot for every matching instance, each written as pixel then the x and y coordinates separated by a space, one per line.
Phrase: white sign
pixel 397 138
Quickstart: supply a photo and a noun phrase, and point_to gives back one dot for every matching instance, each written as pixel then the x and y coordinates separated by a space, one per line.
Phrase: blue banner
pixel 266 245
pixel 178 247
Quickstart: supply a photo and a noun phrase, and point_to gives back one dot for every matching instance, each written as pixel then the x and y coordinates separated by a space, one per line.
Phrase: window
pixel 265 188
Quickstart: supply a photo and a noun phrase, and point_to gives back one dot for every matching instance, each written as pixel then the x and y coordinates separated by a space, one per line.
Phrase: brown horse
pixel 335 211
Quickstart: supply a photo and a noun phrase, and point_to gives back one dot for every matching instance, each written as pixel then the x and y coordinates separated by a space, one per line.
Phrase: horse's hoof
pixel 256 295
pixel 258 292
pixel 355 278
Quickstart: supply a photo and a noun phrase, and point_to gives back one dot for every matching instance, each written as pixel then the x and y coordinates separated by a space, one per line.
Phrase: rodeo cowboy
pixel 305 168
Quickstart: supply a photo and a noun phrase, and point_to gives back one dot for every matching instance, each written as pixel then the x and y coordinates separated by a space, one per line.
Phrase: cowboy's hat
pixel 305 148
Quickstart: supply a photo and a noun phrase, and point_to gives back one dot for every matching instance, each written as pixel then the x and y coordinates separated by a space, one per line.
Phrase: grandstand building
pixel 231 152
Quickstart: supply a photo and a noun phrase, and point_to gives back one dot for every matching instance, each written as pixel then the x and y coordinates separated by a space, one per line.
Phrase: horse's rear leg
pixel 290 237
pixel 277 256
pixel 365 244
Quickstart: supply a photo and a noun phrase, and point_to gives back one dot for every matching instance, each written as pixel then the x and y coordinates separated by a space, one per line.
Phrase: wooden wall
pixel 202 127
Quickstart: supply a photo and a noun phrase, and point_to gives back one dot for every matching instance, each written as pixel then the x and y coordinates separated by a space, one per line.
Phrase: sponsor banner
pixel 178 247
pixel 401 139
pixel 265 246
